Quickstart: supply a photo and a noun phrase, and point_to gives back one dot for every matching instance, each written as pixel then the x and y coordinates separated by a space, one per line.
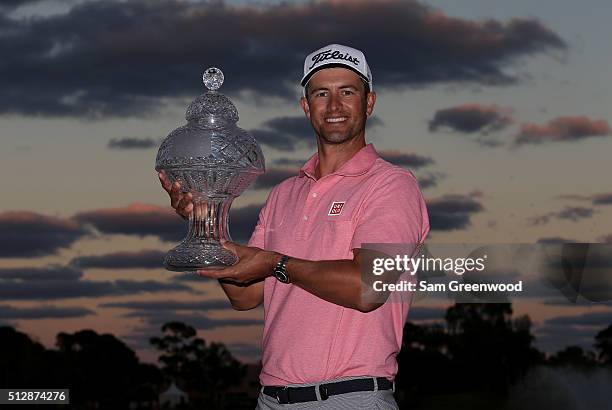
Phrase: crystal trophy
pixel 215 160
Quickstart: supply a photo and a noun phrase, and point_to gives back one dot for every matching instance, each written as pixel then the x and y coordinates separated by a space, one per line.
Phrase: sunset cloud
pixel 43 312
pixel 243 221
pixel 9 5
pixel 136 219
pixel 274 176
pixel 562 129
pixel 429 180
pixel 64 282
pixel 161 221
pixel 42 274
pixel 575 213
pixel 128 143
pixel 289 133
pixel 596 319
pixel 471 119
pixel 285 133
pixel 121 260
pixel 604 198
pixel 30 234
pixel 138 53
pixel 169 305
pixel 69 289
pixel 570 213
pixel 452 212
pixel 409 160
pixel 550 240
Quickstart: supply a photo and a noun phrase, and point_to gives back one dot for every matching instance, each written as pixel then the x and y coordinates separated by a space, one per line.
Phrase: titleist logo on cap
pixel 336 55
pixel 328 55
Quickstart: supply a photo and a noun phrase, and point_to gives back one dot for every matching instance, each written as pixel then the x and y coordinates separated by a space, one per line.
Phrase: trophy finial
pixel 213 78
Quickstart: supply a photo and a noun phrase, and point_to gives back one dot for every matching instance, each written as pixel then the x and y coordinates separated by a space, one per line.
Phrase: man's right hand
pixel 182 203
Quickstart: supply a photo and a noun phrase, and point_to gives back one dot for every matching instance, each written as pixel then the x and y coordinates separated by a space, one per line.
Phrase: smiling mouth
pixel 335 119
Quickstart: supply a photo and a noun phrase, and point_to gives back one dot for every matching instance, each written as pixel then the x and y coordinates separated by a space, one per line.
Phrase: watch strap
pixel 280 271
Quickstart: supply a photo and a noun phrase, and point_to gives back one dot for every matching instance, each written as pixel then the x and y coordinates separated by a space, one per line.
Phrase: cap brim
pixel 332 65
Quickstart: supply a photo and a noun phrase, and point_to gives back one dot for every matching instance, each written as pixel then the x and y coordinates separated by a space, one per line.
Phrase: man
pixel 324 346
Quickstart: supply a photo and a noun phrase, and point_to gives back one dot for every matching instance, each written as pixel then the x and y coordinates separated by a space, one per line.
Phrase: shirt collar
pixel 359 164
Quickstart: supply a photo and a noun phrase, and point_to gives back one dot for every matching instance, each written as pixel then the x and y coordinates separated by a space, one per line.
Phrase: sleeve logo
pixel 336 208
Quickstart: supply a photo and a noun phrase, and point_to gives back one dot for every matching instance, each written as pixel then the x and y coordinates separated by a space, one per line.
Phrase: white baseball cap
pixel 337 55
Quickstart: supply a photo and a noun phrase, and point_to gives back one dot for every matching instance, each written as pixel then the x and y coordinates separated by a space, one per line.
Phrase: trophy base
pixel 197 255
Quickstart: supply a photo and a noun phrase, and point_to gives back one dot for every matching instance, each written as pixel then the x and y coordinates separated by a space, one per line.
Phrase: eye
pixel 347 92
pixel 321 94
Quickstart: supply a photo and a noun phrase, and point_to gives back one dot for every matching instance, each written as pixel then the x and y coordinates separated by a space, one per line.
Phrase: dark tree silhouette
pixel 204 371
pixel 424 368
pixel 102 369
pixel 482 350
pixel 603 344
pixel 177 348
pixel 19 357
pixel 573 356
pixel 492 350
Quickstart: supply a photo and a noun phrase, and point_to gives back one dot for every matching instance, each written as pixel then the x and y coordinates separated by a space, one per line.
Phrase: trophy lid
pixel 212 108
pixel 211 139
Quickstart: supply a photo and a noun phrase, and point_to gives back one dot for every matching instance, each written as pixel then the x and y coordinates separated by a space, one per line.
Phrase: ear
pixel 305 106
pixel 370 101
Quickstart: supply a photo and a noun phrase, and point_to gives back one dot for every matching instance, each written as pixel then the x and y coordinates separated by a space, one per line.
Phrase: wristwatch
pixel 280 271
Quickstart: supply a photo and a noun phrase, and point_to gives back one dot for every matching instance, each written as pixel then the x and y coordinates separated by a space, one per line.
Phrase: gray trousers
pixel 362 400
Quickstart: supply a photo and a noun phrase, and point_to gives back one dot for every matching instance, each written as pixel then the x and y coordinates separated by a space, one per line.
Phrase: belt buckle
pixel 285 390
pixel 323 392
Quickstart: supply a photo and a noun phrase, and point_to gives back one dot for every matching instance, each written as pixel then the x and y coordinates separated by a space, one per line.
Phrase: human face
pixel 337 106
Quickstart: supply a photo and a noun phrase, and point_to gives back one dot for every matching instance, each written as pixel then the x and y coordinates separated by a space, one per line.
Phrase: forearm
pixel 243 297
pixel 337 281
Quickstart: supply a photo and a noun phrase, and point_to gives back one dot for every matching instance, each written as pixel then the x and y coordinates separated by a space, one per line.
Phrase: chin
pixel 336 139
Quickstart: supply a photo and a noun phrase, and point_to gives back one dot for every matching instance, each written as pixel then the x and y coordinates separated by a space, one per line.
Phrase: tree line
pixel 481 351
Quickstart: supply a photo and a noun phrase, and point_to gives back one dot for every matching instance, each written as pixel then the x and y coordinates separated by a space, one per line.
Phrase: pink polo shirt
pixel 368 200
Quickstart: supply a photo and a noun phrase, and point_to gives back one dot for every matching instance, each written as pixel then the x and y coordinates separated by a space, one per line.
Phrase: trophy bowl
pixel 214 160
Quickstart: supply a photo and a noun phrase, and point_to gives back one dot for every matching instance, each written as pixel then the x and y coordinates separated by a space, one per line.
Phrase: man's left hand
pixel 253 264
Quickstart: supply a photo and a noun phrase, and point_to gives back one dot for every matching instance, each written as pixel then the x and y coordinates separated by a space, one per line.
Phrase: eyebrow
pixel 327 89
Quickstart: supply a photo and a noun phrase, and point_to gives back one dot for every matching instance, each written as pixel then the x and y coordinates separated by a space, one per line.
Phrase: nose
pixel 334 102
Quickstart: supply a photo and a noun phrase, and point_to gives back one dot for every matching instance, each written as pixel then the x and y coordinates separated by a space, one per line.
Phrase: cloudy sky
pixel 501 109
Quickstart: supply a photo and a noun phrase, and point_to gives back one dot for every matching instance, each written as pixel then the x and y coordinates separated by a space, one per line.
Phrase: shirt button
pixel 305 217
pixel 314 195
